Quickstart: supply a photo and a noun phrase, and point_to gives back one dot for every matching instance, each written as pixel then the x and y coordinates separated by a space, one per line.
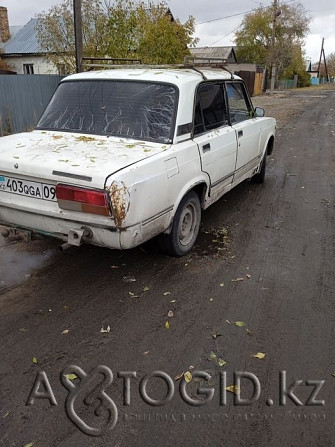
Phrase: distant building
pixel 252 74
pixel 20 50
pixel 227 53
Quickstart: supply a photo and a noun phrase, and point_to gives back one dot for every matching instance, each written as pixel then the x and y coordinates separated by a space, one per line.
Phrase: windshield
pixel 131 109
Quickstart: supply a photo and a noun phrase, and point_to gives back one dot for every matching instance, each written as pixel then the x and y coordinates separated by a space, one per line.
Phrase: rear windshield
pixel 131 109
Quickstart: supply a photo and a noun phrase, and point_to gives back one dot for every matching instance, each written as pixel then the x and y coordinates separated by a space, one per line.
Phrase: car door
pixel 246 126
pixel 215 138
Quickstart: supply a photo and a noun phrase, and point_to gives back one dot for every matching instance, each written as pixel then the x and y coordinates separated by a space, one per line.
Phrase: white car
pixel 123 155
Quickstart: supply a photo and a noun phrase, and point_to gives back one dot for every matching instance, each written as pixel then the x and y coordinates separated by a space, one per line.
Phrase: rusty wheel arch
pixel 200 189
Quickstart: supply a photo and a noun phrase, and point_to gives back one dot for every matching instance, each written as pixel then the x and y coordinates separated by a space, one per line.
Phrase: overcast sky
pixel 218 32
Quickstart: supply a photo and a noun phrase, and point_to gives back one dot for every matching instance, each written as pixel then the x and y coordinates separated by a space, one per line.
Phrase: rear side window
pixel 210 110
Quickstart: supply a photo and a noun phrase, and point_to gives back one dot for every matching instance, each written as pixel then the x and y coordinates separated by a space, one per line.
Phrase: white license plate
pixel 26 188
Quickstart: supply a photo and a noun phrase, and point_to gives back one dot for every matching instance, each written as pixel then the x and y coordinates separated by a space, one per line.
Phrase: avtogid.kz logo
pixel 83 391
pixel 87 401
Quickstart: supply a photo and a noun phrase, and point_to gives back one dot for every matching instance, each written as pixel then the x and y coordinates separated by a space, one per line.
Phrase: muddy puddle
pixel 19 261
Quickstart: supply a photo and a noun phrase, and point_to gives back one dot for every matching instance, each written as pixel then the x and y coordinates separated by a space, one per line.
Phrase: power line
pixel 224 36
pixel 239 14
pixel 222 18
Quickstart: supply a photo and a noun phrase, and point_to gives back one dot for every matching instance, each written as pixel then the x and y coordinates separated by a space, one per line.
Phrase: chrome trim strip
pixel 235 172
pixel 249 162
pixel 222 179
pixel 75 176
pixel 156 216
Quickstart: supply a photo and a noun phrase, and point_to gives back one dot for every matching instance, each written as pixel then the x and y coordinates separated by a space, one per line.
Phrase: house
pixel 227 53
pixel 20 50
pixel 252 74
pixel 314 74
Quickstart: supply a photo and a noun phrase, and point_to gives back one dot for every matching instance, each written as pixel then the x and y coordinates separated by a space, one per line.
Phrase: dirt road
pixel 260 281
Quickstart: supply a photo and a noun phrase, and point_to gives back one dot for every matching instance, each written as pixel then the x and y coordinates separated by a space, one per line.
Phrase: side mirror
pixel 259 112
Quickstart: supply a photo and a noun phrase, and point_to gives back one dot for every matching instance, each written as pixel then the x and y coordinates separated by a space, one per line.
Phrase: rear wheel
pixel 185 227
pixel 260 176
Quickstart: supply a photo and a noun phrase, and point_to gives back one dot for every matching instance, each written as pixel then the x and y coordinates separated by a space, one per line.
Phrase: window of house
pixel 28 69
pixel 210 110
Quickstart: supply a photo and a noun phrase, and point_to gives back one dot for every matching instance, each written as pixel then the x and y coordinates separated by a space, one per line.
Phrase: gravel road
pixel 256 295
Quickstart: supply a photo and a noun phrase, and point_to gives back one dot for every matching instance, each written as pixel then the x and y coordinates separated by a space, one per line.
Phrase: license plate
pixel 36 190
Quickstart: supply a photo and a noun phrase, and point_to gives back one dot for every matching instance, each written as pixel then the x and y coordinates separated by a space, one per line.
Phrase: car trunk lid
pixel 78 159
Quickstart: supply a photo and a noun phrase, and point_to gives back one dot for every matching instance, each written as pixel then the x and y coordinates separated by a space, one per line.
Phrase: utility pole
pixel 78 35
pixel 324 60
pixel 276 13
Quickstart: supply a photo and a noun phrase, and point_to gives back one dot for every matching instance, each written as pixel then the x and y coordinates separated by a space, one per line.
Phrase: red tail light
pixel 82 199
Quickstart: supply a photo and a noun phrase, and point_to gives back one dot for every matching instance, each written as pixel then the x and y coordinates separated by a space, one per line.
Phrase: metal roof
pixel 222 52
pixel 24 41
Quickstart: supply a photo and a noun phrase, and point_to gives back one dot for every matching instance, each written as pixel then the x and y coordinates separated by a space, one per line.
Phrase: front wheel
pixel 185 227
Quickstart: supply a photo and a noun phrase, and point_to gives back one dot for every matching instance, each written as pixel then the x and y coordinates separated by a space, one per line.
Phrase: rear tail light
pixel 82 199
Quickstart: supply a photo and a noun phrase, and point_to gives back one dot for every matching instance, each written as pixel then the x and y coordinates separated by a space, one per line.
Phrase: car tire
pixel 260 176
pixel 185 227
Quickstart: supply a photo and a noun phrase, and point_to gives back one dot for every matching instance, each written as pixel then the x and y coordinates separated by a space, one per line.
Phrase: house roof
pixel 14 30
pixel 308 65
pixel 220 52
pixel 24 41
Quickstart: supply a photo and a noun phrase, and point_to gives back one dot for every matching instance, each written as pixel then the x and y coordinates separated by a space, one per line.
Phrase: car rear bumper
pixel 59 228
pixel 85 232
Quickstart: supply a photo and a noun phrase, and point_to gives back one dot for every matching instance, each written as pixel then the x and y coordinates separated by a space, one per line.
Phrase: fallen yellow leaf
pixel 70 376
pixel 259 355
pixel 187 376
pixel 233 389
pixel 179 376
pixel 34 360
pixel 167 325
pixel 133 295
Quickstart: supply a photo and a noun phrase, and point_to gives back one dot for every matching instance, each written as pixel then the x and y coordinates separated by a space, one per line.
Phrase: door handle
pixel 206 147
pixel 240 133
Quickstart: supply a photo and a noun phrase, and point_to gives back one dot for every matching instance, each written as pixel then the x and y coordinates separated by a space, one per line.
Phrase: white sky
pixel 215 33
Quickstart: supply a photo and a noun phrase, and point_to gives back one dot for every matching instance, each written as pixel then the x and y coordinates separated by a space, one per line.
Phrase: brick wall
pixel 4 25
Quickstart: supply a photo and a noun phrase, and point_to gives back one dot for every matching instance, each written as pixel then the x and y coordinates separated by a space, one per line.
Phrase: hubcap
pixel 188 220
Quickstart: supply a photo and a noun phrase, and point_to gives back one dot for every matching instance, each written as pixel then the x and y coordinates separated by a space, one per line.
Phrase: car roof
pixel 178 76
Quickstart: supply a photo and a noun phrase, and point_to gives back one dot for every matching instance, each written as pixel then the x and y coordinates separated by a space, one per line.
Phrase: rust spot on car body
pixel 120 200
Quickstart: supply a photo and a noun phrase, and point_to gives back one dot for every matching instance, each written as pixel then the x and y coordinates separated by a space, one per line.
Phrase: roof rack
pixel 212 62
pixel 104 62
pixel 190 62
pixel 194 60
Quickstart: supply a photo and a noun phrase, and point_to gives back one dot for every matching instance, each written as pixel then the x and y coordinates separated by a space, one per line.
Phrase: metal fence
pixel 287 84
pixel 23 99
